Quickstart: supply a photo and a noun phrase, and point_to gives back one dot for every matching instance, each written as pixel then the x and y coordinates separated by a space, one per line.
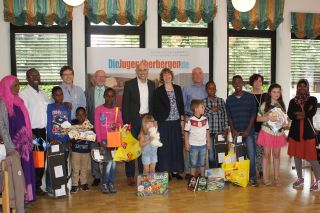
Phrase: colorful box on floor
pixel 215 179
pixel 153 184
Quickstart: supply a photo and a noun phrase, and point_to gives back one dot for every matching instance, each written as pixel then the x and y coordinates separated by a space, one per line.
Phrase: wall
pixel 220 42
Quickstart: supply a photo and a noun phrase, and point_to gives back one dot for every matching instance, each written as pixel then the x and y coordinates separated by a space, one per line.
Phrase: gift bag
pixel 130 148
pixel 38 158
pixel 114 137
pixel 237 172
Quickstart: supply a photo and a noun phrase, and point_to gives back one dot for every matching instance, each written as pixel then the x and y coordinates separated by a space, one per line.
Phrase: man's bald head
pixel 142 71
pixel 197 75
pixel 100 77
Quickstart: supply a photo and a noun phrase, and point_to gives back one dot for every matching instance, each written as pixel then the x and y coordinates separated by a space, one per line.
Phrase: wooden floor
pixel 231 199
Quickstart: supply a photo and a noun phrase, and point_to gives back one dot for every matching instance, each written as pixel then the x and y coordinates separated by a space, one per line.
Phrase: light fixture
pixel 243 5
pixel 73 3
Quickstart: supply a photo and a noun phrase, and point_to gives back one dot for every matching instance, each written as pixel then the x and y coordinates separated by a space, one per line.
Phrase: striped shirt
pixel 218 121
pixel 240 110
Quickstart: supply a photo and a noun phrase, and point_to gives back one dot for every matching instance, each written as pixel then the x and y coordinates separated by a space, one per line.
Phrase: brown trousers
pixel 79 164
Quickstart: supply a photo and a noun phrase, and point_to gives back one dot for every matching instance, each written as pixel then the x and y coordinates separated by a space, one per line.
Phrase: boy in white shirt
pixel 197 137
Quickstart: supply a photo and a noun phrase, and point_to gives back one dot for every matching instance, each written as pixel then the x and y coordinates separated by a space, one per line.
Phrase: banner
pixel 120 64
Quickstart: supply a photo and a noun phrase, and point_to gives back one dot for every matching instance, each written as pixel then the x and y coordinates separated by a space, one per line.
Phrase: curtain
pixel 33 12
pixel 122 11
pixel 265 14
pixel 181 10
pixel 305 25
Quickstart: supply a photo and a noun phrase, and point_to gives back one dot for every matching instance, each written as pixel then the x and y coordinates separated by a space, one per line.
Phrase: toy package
pixel 215 179
pixel 153 184
pixel 82 132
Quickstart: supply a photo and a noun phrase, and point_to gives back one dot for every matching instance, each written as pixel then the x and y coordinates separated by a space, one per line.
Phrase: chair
pixel 4 199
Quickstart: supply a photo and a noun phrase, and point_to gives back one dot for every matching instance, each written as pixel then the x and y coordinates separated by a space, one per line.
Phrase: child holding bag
pixel 107 118
pixel 271 140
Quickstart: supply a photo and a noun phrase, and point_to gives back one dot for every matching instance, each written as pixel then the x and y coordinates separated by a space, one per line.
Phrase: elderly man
pixel 71 93
pixel 36 102
pixel 136 103
pixel 94 96
pixel 195 90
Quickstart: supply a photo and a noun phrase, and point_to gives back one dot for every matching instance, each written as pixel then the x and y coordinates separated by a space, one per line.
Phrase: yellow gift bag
pixel 130 148
pixel 237 172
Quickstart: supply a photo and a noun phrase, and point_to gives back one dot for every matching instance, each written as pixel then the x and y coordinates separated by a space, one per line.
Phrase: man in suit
pixel 94 97
pixel 136 103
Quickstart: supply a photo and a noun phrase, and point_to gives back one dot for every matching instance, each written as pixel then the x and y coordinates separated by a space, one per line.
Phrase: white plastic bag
pixel 3 152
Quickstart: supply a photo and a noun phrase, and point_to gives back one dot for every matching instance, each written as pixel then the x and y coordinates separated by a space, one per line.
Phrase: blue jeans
pixel 251 151
pixel 197 156
pixel 130 166
pixel 109 172
pixel 212 161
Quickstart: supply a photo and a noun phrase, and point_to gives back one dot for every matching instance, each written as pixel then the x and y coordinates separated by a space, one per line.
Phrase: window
pixel 187 35
pixel 103 35
pixel 305 63
pixel 45 48
pixel 249 52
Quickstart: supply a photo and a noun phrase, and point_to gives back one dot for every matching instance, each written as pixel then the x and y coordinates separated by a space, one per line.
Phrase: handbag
pixel 114 137
pixel 313 129
pixel 38 158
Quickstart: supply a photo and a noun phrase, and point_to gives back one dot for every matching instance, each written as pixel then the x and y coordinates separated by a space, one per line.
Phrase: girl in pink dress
pixel 271 140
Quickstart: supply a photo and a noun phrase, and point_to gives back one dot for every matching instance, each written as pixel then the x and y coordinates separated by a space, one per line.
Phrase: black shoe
pixel 84 187
pixel 39 192
pixel 74 189
pixel 96 182
pixel 177 176
pixel 188 176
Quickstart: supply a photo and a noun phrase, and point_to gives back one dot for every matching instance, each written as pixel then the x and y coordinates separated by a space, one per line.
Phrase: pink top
pixel 104 118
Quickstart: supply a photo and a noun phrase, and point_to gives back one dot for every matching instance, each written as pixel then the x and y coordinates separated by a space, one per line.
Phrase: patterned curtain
pixel 305 25
pixel 122 11
pixel 47 12
pixel 265 14
pixel 181 10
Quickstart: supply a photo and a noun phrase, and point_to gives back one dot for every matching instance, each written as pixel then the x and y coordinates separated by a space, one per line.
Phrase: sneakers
pixel 96 182
pixel 74 189
pixel 84 187
pixel 315 187
pixel 105 189
pixel 253 182
pixel 112 188
pixel 298 184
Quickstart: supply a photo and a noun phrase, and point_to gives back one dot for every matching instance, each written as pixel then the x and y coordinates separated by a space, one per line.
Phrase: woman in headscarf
pixel 302 141
pixel 20 131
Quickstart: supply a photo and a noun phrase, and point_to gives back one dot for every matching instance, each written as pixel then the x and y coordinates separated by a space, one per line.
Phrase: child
pixel 270 140
pixel 57 113
pixel 80 155
pixel 197 137
pixel 107 118
pixel 149 152
pixel 216 113
pixel 242 112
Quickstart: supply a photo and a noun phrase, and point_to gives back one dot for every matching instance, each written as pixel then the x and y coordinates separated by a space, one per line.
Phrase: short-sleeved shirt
pixel 240 110
pixel 197 127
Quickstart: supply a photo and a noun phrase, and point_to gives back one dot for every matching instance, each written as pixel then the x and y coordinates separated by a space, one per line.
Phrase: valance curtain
pixel 305 25
pixel 265 14
pixel 181 10
pixel 121 11
pixel 33 12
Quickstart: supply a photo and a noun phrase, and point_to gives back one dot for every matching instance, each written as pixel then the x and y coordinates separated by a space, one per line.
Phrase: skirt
pixel 170 155
pixel 304 149
pixel 266 139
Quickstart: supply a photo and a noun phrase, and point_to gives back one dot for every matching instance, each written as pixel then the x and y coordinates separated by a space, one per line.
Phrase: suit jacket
pixel 161 102
pixel 90 103
pixel 131 100
pixel 4 128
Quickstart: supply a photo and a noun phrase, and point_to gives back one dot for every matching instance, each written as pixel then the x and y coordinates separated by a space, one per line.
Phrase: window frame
pixel 39 29
pixel 255 34
pixel 189 31
pixel 293 36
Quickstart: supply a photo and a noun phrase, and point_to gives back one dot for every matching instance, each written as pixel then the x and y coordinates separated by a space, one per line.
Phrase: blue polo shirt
pixel 241 110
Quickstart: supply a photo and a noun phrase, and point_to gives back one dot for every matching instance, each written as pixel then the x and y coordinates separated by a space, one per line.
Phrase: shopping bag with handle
pixel 114 137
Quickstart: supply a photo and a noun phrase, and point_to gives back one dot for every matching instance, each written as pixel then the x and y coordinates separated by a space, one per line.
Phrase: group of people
pixel 187 119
